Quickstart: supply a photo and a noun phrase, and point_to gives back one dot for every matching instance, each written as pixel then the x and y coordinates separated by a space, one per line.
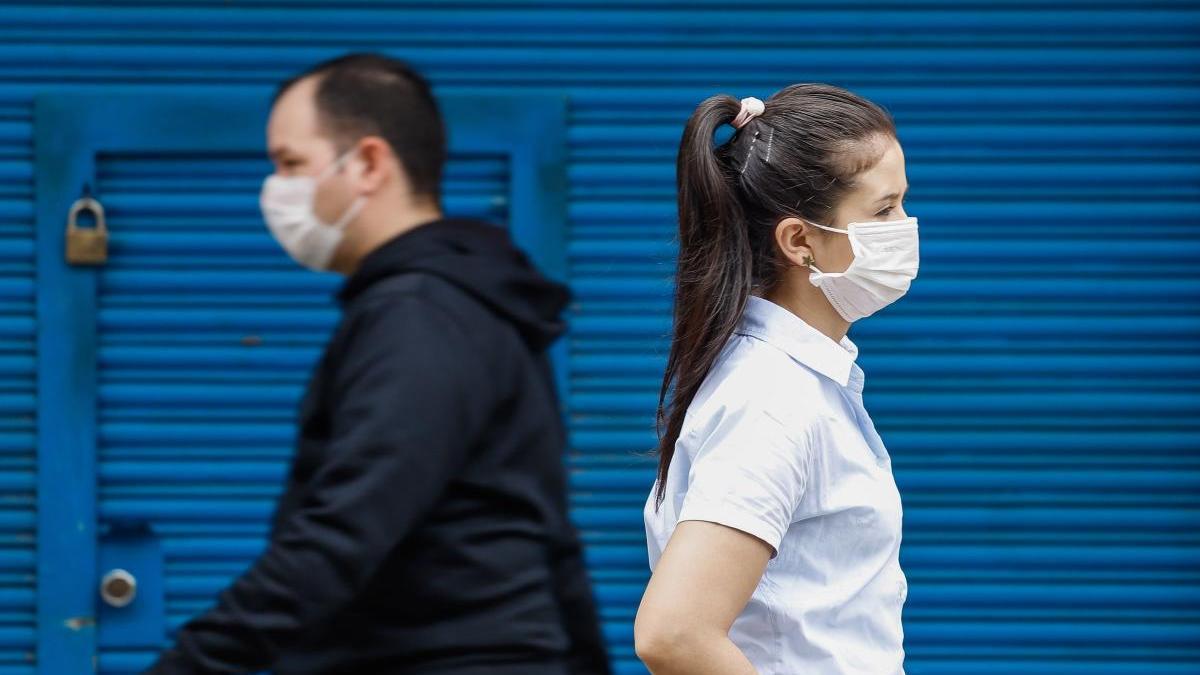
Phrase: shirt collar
pixel 806 345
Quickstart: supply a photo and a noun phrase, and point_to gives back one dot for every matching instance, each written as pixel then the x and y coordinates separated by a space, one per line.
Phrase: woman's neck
pixel 795 294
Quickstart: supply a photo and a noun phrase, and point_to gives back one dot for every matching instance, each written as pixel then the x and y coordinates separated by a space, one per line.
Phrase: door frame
pixel 70 128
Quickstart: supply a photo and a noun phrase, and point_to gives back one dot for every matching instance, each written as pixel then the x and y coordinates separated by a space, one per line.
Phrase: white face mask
pixel 287 206
pixel 886 258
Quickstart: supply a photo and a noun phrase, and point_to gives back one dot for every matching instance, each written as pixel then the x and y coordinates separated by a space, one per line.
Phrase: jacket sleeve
pixel 404 417
pixel 588 655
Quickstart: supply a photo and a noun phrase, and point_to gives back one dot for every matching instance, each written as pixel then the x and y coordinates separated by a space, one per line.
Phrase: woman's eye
pixel 888 210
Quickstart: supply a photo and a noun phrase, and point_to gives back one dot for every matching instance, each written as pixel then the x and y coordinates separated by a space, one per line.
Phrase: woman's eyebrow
pixel 891 196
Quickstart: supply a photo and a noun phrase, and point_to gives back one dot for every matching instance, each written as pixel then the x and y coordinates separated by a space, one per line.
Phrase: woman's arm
pixel 704 579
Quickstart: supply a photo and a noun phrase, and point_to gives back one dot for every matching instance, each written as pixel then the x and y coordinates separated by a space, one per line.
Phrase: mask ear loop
pixel 808 259
pixel 825 227
pixel 359 202
pixel 812 265
pixel 351 213
pixel 336 165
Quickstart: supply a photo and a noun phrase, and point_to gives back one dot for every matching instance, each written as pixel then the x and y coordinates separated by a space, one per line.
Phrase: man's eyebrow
pixel 275 152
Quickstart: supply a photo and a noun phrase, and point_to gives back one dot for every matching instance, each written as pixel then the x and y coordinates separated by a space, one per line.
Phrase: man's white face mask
pixel 288 209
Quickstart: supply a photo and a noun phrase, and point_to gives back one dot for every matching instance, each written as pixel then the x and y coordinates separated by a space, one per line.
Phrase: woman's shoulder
pixel 754 379
pixel 767 372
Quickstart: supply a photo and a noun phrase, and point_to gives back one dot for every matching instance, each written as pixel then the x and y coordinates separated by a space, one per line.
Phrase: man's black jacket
pixel 423 528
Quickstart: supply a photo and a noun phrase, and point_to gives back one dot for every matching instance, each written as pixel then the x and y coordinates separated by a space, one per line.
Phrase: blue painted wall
pixel 1038 390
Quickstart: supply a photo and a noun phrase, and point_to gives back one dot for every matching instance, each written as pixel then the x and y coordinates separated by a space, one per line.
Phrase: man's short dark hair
pixel 374 95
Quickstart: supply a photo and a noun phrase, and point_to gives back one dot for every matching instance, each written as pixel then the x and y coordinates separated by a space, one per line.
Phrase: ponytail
pixel 714 276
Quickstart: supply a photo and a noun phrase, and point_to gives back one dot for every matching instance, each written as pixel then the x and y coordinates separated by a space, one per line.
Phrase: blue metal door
pixel 170 374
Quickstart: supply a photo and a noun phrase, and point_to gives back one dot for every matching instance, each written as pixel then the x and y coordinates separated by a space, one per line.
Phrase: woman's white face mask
pixel 886 259
pixel 288 208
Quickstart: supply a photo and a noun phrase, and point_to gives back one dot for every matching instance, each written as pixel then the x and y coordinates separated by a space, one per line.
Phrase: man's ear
pixel 791 236
pixel 375 163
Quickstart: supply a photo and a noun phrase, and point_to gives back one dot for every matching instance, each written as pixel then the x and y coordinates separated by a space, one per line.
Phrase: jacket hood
pixel 480 259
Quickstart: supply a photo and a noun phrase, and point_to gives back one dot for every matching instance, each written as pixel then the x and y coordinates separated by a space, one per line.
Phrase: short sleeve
pixel 749 472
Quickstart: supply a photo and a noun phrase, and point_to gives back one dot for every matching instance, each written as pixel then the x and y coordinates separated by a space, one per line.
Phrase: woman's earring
pixel 808 261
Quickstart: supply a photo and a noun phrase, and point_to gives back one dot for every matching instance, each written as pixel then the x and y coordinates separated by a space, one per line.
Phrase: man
pixel 424 527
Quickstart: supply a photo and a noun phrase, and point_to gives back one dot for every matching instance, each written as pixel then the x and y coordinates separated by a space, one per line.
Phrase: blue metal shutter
pixel 1038 390
pixel 208 334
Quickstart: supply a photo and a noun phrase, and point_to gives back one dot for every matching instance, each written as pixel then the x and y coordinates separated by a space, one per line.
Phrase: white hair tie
pixel 751 108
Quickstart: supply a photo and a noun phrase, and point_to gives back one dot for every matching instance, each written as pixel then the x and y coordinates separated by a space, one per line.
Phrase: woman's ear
pixel 791 236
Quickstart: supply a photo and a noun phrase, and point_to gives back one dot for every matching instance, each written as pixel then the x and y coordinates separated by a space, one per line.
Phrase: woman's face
pixel 878 194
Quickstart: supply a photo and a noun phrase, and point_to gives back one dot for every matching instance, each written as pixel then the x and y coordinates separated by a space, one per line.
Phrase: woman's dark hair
pixel 796 159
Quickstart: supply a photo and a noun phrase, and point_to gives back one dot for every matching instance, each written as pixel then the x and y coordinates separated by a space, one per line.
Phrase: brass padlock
pixel 87 245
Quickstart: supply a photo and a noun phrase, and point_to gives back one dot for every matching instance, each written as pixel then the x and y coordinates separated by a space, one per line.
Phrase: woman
pixel 774 526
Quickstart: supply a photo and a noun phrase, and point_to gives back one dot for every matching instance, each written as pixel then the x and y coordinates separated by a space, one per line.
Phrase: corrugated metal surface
pixel 1038 390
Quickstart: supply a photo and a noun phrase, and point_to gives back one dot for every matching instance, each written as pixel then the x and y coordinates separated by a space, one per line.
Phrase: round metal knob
pixel 118 588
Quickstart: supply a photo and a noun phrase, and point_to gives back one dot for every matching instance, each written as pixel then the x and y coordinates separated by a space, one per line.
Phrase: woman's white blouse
pixel 777 444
